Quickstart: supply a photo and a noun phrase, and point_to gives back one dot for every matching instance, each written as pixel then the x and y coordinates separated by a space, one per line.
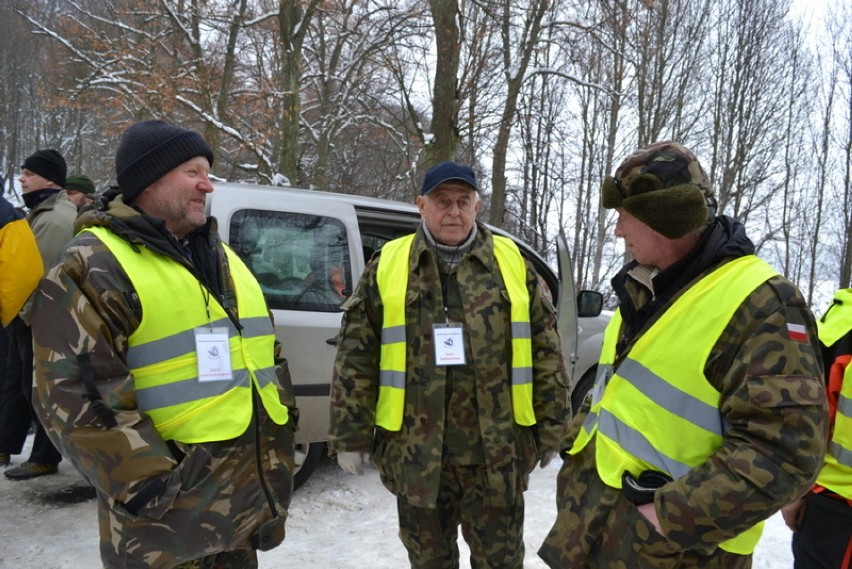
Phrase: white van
pixel 308 249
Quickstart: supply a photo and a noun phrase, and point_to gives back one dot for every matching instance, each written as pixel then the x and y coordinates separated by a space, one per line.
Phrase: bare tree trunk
pixel 293 22
pixel 238 15
pixel 514 72
pixel 845 273
pixel 445 98
pixel 822 161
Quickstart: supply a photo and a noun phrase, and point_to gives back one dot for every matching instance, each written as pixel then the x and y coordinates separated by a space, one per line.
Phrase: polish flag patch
pixel 797 332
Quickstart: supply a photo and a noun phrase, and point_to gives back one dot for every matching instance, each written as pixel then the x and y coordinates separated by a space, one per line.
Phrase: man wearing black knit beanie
pixel 51 216
pixel 158 370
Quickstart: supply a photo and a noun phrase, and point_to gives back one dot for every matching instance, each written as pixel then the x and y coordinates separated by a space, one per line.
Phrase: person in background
pixel 80 189
pixel 325 286
pixel 157 369
pixel 708 413
pixel 450 372
pixel 51 217
pixel 20 271
pixel 20 261
pixel 822 519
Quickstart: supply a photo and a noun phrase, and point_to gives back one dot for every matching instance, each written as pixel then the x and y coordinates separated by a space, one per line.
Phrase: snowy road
pixel 336 521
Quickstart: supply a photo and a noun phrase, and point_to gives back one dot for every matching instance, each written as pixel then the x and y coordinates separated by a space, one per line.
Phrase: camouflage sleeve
pixel 83 317
pixel 285 381
pixel 355 382
pixel 773 405
pixel 550 379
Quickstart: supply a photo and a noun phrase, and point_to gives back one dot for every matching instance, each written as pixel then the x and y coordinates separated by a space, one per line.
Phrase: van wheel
pixel 308 456
pixel 582 388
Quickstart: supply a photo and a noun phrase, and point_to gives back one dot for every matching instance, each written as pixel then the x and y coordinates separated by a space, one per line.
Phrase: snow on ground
pixel 337 521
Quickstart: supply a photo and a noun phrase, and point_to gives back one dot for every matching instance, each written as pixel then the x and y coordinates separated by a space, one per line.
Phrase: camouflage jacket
pixel 159 503
pixel 409 460
pixel 773 403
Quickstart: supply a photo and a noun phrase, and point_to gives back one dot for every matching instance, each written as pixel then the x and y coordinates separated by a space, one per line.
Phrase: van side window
pixel 301 261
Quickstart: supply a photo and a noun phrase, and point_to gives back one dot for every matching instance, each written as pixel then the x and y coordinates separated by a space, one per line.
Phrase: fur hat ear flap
pixel 611 195
pixel 644 183
pixel 672 212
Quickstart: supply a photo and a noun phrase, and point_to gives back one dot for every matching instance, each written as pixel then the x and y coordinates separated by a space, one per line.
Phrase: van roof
pixel 363 202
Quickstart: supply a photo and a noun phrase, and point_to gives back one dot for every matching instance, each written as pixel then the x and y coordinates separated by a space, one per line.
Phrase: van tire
pixel 582 388
pixel 308 456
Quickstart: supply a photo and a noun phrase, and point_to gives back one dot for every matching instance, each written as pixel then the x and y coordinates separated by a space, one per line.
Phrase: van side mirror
pixel 589 303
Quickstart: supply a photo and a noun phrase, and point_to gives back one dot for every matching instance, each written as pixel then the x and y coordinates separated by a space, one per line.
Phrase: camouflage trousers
pixel 596 527
pixel 494 534
pixel 240 559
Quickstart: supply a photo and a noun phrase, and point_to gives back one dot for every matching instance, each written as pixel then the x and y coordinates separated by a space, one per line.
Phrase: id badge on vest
pixel 213 354
pixel 449 344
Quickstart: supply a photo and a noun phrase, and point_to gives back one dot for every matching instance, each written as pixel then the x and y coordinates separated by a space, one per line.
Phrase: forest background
pixel 543 98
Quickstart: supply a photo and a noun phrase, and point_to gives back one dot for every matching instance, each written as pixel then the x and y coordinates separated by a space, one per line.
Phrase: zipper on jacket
pixel 270 533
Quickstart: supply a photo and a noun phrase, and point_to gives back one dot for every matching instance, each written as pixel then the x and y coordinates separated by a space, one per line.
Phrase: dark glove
pixel 641 490
pixel 546 458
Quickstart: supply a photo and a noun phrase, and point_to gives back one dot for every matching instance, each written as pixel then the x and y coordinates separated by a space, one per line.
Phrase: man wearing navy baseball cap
pixel 449 371
pixel 447 172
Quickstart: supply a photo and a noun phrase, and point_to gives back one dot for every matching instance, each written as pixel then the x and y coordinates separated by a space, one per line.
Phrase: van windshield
pixel 301 261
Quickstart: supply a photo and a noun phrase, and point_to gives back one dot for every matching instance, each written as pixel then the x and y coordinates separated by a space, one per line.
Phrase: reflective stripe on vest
pixel 836 473
pixel 392 278
pixel 161 352
pixel 514 273
pixel 607 358
pixel 660 388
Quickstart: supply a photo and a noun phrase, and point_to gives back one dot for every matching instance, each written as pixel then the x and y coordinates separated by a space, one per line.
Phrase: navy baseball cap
pixel 445 172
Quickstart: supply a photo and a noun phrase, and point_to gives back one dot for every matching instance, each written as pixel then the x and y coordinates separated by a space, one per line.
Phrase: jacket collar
pixel 481 249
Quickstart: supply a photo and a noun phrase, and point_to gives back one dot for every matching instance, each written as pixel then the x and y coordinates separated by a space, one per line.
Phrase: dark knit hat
pixel 664 186
pixel 149 150
pixel 448 172
pixel 48 164
pixel 80 183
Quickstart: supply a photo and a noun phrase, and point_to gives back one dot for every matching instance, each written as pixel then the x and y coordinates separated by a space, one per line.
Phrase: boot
pixel 29 469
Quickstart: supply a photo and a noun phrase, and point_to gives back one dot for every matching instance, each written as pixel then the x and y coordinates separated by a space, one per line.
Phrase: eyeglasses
pixel 444 203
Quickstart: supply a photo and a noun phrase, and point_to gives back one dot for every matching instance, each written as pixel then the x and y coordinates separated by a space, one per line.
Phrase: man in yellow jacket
pixel 20 263
pixel 20 270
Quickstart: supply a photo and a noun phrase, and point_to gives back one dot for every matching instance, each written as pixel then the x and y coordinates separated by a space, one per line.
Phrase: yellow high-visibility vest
pixel 836 473
pixel 392 278
pixel 161 352
pixel 657 410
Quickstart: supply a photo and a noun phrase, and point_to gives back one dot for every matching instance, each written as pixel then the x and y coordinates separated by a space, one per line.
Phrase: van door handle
pixel 331 341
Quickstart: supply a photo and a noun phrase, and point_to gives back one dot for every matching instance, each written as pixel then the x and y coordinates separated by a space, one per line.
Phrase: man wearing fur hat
pixel 157 369
pixel 51 217
pixel 708 414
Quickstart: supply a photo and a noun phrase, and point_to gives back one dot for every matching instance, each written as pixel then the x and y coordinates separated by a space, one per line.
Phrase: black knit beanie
pixel 149 150
pixel 664 186
pixel 48 164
